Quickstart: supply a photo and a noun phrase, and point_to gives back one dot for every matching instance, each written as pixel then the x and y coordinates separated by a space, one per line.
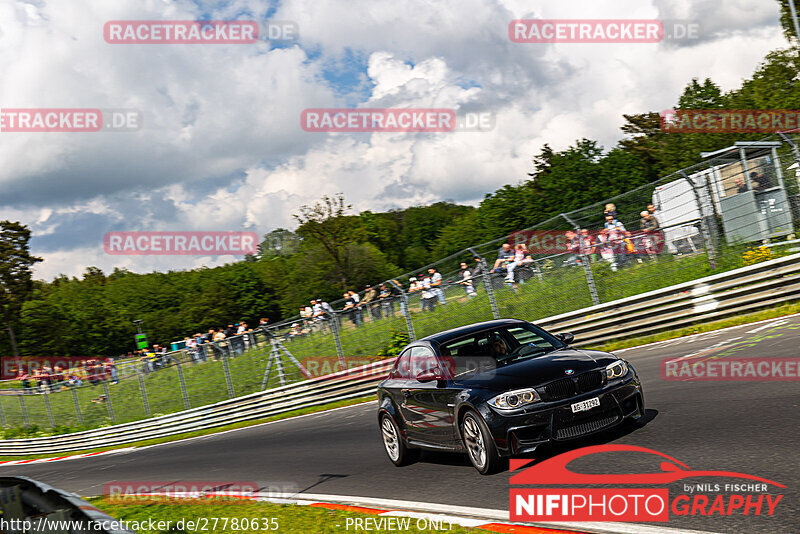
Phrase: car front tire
pixel 479 444
pixel 399 453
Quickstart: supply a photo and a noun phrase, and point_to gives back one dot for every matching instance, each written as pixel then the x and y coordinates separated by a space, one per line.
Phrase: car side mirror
pixel 566 337
pixel 430 375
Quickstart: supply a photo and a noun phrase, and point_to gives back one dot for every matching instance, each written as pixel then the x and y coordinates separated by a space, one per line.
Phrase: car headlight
pixel 515 399
pixel 617 369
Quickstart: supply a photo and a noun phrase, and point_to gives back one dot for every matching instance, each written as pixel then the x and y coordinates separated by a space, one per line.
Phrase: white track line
pixel 704 333
pixel 764 327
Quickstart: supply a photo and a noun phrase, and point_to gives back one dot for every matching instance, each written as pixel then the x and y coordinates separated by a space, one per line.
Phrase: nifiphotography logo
pixel 549 502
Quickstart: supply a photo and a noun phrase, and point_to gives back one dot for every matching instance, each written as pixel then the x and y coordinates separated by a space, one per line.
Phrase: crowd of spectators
pixel 616 244
pixel 47 379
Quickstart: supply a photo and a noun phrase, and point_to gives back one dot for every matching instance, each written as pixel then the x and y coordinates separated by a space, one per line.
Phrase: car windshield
pixel 488 349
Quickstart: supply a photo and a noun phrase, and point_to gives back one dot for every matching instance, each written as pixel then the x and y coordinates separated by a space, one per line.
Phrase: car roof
pixel 454 333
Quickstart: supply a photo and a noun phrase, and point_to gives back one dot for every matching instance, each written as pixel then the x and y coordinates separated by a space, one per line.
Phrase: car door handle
pixel 405 392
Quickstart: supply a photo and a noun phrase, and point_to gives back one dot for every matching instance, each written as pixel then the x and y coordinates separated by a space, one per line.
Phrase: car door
pixel 398 379
pixel 428 406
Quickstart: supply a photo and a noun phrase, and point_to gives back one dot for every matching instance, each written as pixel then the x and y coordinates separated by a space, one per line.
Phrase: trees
pixel 786 19
pixel 326 223
pixel 16 282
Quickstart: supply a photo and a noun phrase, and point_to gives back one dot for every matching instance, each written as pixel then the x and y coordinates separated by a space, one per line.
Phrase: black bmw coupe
pixel 500 388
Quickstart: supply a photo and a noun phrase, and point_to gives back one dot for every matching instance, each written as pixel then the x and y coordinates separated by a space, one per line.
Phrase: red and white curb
pixel 59 458
pixel 435 516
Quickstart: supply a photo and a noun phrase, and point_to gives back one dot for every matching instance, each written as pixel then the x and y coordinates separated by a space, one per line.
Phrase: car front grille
pixel 569 387
pixel 586 427
pixel 589 381
pixel 560 389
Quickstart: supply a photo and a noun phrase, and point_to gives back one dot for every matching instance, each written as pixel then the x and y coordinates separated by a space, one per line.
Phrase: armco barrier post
pixel 182 381
pixel 228 380
pixel 587 269
pixel 108 401
pixel 77 405
pixel 47 407
pixel 22 408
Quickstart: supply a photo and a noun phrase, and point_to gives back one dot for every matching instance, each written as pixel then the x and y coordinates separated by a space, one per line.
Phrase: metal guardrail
pixel 739 291
pixel 715 297
pixel 352 383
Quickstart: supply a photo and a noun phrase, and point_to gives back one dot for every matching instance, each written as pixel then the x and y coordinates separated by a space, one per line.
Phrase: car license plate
pixel 585 405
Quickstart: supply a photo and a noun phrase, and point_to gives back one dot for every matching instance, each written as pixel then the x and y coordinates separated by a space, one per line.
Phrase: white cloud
pixel 222 147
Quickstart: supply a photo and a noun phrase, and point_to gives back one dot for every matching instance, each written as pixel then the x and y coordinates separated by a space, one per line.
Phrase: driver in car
pixel 499 348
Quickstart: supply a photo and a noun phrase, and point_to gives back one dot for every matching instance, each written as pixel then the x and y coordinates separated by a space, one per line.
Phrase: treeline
pixel 333 248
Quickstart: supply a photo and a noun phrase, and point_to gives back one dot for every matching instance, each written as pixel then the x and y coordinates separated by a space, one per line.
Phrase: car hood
pixel 533 372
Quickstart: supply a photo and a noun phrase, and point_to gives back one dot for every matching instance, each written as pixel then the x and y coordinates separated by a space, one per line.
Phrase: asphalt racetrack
pixel 747 427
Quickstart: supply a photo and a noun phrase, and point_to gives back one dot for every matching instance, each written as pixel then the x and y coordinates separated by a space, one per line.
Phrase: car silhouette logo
pixel 569 371
pixel 554 470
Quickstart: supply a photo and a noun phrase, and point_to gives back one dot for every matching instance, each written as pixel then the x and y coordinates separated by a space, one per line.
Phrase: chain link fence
pixel 703 219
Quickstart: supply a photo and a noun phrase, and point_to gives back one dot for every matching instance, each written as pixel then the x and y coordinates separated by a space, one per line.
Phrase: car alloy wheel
pixel 399 453
pixel 390 439
pixel 473 439
pixel 480 445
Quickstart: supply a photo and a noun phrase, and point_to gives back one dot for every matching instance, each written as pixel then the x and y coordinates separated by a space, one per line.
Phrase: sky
pixel 221 147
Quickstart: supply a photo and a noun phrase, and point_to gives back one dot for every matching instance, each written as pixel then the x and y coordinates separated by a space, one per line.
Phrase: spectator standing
pixel 477 273
pixel 349 308
pixel 357 310
pixel 396 289
pixel 428 294
pixel 387 300
pixel 649 225
pixel 611 210
pixel 436 284
pixel 370 302
pixel 465 276
pixel 111 370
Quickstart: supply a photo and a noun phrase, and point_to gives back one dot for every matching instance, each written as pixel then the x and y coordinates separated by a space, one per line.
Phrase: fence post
pixel 487 283
pixel 707 241
pixel 2 415
pixel 22 407
pixel 144 394
pixel 587 269
pixel 47 407
pixel 108 402
pixel 335 328
pixel 279 368
pixel 77 404
pixel 228 380
pixel 405 310
pixel 182 381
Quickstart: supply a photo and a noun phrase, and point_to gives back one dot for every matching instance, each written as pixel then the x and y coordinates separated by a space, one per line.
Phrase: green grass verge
pixel 773 313
pixel 289 518
pixel 205 432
